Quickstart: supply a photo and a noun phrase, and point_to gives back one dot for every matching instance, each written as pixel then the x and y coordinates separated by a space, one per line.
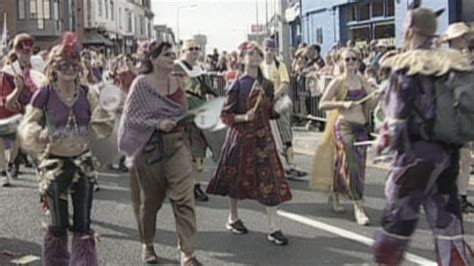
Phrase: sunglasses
pixel 169 54
pixel 353 59
pixel 253 53
pixel 65 65
pixel 25 44
pixel 194 49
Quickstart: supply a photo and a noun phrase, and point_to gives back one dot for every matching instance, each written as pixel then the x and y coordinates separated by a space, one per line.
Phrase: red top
pixel 178 97
pixel 6 88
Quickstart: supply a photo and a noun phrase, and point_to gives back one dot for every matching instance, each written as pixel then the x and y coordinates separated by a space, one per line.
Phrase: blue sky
pixel 225 22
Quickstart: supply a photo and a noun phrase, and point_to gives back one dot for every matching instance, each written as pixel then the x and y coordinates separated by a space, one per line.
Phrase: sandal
pixel 148 255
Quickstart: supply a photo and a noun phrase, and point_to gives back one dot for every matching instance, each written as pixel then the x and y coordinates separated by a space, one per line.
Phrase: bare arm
pixel 328 101
pixel 12 98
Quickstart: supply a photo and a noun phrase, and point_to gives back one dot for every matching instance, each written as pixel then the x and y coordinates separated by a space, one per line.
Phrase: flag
pixel 4 41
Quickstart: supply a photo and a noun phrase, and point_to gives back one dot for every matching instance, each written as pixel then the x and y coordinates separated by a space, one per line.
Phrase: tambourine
pixel 283 104
pixel 110 97
pixel 9 125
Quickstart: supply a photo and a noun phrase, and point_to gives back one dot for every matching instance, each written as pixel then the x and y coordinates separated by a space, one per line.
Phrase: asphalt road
pixel 317 236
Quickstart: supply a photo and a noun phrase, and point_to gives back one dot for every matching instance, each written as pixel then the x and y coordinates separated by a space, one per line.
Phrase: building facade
pixel 42 19
pixel 164 33
pixel 112 24
pixel 201 40
pixel 326 22
pixel 118 24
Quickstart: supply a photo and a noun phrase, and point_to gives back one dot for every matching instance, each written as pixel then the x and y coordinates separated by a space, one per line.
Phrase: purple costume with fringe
pixel 422 175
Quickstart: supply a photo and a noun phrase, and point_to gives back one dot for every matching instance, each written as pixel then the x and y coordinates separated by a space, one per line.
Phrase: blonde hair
pixel 57 54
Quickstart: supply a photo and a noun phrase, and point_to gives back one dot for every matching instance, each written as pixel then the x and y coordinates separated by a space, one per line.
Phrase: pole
pixel 284 36
pixel 177 29
pixel 256 21
pixel 266 18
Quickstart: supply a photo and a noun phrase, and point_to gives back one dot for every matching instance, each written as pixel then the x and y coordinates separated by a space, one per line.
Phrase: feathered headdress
pixel 71 45
pixel 147 47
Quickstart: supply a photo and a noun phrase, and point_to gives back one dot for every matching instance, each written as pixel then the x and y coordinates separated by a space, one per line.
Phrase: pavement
pixel 317 236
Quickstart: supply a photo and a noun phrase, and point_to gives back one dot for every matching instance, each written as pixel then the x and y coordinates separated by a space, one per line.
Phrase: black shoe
pixel 200 195
pixel 192 262
pixel 278 238
pixel 14 171
pixel 237 227
pixel 467 207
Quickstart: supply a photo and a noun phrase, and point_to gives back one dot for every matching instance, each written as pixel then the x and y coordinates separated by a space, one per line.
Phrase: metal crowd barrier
pixel 218 83
pixel 305 106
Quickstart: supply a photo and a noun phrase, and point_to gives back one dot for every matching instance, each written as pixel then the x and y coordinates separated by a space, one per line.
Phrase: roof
pixel 93 38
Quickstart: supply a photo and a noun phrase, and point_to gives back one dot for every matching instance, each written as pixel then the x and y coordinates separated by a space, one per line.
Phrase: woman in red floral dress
pixel 249 167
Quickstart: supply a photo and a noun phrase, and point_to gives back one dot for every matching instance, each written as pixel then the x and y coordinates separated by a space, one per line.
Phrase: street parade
pixel 277 151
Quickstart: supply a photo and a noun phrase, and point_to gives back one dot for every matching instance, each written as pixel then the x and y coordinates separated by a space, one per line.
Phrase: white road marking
pixel 110 174
pixel 347 234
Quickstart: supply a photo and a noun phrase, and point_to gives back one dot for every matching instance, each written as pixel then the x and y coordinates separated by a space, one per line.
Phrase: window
pixel 112 11
pixel 359 34
pixel 106 9
pixel 142 26
pixel 129 28
pixel 21 9
pixel 391 8
pixel 364 11
pixel 100 8
pixel 40 13
pixel 33 9
pixel 47 9
pixel 319 35
pixel 351 13
pixel 378 8
pixel 384 31
pixel 56 11
pixel 119 17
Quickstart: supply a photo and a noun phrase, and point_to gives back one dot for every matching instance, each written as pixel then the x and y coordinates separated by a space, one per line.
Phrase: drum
pixel 110 97
pixel 283 104
pixel 207 116
pixel 105 150
pixel 9 125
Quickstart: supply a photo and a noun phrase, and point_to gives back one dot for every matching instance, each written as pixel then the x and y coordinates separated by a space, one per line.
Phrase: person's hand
pixel 167 125
pixel 348 104
pixel 250 115
pixel 19 83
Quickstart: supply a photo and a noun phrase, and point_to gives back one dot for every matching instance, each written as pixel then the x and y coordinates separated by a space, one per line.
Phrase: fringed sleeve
pixel 29 131
pixel 102 122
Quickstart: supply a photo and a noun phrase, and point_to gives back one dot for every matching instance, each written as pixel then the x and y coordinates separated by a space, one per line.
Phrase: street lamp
pixel 177 19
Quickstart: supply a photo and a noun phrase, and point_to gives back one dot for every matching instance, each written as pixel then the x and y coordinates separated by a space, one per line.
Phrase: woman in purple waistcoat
pixel 54 130
pixel 249 166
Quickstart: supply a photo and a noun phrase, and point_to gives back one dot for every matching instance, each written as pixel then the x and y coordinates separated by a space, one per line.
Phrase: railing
pixel 305 106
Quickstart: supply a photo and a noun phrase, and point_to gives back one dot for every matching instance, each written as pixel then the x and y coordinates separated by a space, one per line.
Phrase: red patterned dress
pixel 249 167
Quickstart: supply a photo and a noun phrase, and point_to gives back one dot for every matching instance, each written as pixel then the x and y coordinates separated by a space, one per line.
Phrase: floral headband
pixel 148 47
pixel 71 45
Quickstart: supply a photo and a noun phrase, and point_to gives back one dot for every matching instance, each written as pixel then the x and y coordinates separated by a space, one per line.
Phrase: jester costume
pixel 424 172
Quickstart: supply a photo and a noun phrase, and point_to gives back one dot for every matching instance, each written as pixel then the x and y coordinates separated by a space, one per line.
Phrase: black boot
pixel 200 195
pixel 14 169
pixel 466 206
